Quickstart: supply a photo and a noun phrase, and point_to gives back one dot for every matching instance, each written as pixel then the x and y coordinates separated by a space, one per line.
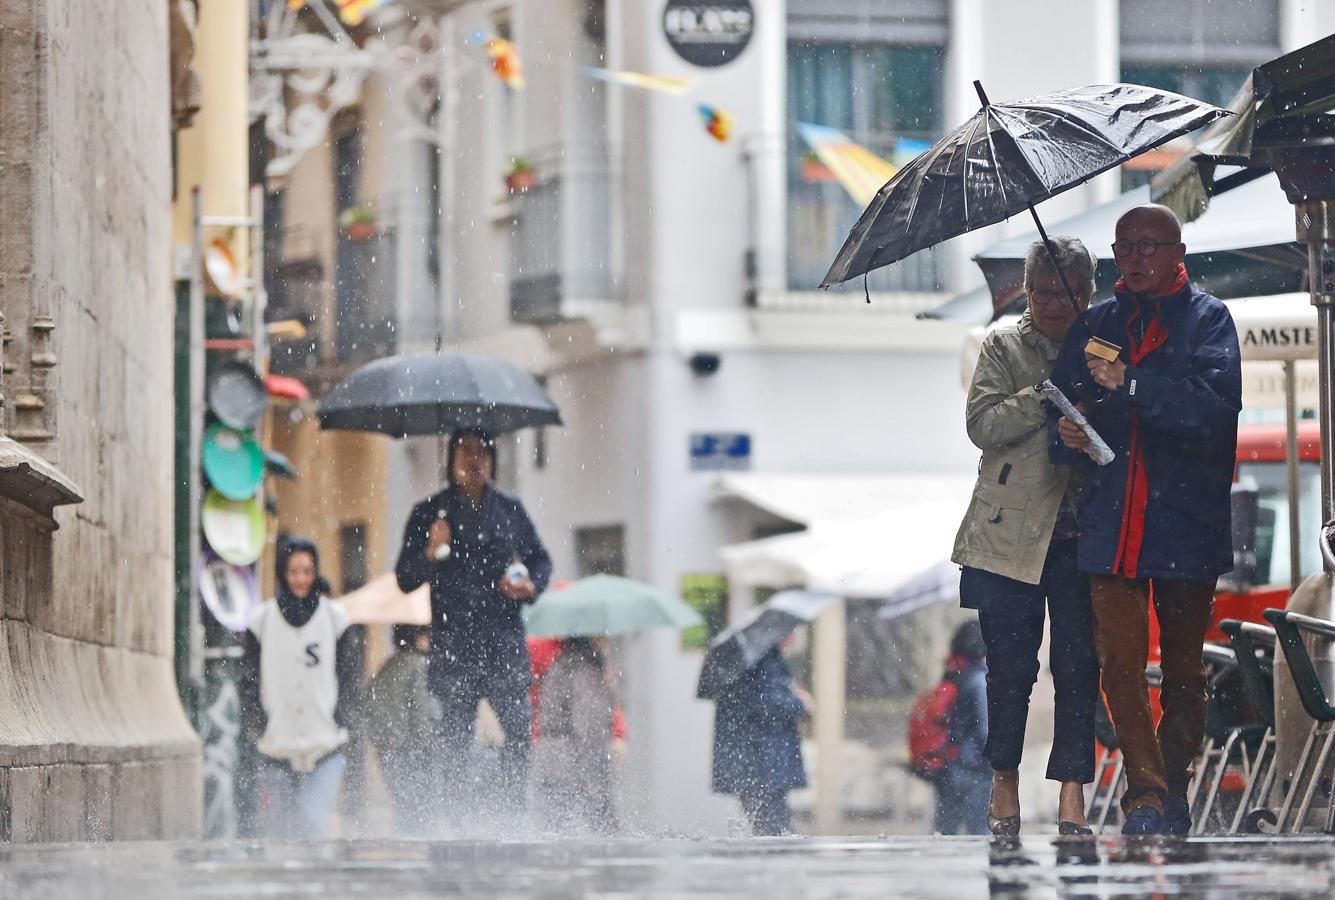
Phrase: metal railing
pixel 562 253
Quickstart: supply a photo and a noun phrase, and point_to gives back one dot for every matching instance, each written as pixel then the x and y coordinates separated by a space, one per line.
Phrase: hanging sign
pixel 708 33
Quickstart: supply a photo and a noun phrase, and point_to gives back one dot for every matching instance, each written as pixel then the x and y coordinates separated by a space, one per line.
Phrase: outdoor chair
pixel 1309 774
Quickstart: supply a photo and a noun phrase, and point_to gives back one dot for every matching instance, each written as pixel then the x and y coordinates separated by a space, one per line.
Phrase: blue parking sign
pixel 713 451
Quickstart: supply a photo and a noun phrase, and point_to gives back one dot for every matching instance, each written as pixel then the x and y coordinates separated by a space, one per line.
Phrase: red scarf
pixel 1127 561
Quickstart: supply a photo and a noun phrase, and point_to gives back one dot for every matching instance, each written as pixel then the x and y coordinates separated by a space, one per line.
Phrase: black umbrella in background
pixel 1007 158
pixel 739 648
pixel 436 393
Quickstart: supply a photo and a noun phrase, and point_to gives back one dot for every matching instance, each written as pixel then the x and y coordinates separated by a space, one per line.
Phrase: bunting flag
pixel 505 60
pixel 859 171
pixel 354 12
pixel 667 84
pixel 718 122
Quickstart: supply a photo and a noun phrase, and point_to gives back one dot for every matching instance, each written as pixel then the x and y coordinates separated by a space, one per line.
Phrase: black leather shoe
pixel 1073 829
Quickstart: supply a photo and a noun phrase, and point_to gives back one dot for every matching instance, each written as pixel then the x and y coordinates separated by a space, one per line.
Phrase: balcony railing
pixel 563 261
pixel 349 313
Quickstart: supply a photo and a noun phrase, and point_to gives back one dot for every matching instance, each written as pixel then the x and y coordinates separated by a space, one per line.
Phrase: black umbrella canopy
pixel 436 393
pixel 741 647
pixel 1007 158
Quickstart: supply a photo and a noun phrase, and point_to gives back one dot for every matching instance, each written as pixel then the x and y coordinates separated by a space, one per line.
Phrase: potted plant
pixel 358 222
pixel 521 176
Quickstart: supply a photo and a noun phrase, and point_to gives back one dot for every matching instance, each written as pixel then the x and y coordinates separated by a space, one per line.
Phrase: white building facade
pixel 662 282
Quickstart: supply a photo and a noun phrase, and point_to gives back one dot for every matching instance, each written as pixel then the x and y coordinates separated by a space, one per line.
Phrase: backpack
pixel 931 751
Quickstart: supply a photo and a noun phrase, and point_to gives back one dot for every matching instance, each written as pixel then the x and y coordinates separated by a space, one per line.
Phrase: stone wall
pixel 93 740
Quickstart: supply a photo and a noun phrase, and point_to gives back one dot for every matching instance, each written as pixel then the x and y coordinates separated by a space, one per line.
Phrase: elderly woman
pixel 1017 545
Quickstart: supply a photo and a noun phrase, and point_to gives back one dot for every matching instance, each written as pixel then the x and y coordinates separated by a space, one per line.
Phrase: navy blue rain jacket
pixel 475 629
pixel 756 745
pixel 1161 508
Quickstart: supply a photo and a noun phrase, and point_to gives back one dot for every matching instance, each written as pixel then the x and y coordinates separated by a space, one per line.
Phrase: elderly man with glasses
pixel 1159 373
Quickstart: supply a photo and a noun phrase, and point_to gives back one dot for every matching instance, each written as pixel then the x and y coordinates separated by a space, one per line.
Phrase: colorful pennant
pixel 859 171
pixel 354 12
pixel 505 60
pixel 667 84
pixel 718 122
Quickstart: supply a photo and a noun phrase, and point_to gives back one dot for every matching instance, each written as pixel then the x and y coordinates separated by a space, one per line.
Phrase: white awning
pixel 810 497
pixel 873 555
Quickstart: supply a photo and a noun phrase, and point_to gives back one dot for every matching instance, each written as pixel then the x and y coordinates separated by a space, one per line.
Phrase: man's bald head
pixel 1149 250
pixel 1156 216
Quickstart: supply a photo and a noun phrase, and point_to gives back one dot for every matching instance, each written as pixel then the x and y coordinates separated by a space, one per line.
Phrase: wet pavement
pixel 950 868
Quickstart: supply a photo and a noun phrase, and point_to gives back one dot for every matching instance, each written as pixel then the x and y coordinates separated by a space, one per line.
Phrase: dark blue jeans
pixel 1011 614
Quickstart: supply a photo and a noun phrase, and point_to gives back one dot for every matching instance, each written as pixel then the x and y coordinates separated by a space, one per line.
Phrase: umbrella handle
pixel 1052 252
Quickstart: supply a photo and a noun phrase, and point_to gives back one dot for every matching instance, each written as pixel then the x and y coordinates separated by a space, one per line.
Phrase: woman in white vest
pixel 295 652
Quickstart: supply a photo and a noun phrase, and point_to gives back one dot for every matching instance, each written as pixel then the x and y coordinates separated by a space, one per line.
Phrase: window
pixel 1272 525
pixel 887 98
pixel 1204 49
pixel 352 556
pixel 600 551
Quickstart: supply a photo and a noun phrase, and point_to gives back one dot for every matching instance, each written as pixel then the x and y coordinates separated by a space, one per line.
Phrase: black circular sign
pixel 708 32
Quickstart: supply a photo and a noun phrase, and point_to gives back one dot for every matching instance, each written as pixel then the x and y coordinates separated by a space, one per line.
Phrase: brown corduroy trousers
pixel 1157 765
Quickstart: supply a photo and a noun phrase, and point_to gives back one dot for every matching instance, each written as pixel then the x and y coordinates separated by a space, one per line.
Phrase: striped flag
pixel 857 169
pixel 668 84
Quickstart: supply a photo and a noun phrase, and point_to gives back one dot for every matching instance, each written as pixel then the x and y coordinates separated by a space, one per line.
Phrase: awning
pixel 830 497
pixel 860 554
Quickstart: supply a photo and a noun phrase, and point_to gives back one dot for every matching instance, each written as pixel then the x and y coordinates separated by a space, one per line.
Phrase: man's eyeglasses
pixel 1047 296
pixel 1144 246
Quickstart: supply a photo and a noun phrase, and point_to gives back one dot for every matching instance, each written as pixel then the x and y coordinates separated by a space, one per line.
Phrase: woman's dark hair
pixel 968 641
pixel 289 546
pixel 582 649
pixel 457 438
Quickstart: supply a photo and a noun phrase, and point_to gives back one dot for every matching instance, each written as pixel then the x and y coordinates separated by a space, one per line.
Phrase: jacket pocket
pixel 997 520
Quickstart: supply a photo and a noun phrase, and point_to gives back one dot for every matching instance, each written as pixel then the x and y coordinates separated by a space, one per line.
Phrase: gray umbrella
pixel 741 647
pixel 436 393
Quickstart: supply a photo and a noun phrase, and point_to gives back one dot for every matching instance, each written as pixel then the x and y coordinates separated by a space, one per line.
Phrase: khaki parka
pixel 1015 500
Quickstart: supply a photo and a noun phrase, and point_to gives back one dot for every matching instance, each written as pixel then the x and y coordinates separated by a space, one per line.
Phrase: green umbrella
pixel 606 604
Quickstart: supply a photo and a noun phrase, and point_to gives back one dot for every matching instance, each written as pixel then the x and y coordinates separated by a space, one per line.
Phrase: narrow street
pixel 922 868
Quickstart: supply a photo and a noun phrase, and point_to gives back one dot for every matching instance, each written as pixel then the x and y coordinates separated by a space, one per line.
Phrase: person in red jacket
pixel 542 652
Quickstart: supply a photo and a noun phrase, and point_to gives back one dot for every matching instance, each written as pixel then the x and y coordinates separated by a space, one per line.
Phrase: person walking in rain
pixel 1017 544
pixel 962 789
pixel 757 750
pixel 1160 373
pixel 573 758
pixel 477 548
pixel 294 691
pixel 403 721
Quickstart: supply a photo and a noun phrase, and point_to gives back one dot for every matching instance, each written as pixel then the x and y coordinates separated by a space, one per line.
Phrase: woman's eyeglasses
pixel 1046 296
pixel 1144 246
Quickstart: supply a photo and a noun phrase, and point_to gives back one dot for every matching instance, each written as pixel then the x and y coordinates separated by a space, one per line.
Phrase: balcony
pixel 349 313
pixel 563 261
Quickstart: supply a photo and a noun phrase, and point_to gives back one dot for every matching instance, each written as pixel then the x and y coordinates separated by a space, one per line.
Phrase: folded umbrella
pixel 740 647
pixel 1007 158
pixel 605 605
pixel 436 393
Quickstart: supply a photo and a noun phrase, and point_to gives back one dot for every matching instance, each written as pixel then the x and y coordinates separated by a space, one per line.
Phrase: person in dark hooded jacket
pixel 294 689
pixel 757 750
pixel 1160 372
pixel 465 542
